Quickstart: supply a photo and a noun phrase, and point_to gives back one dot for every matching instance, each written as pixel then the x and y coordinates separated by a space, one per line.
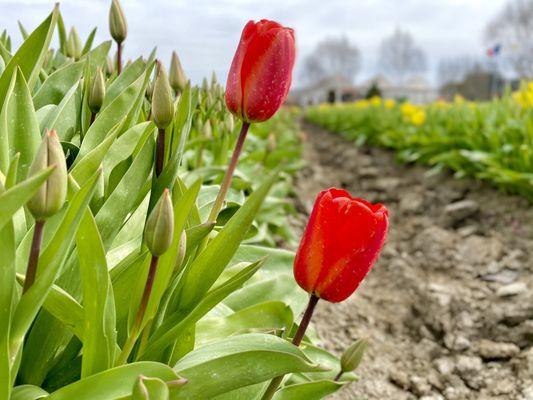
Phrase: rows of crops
pixel 492 141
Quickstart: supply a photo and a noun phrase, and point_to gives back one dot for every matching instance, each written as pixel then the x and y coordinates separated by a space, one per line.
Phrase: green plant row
pixel 492 141
pixel 223 301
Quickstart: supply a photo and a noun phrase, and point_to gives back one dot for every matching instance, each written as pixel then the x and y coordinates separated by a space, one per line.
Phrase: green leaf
pixel 269 316
pixel 30 56
pixel 177 322
pixel 99 335
pixel 89 42
pixel 50 263
pixel 28 392
pixel 127 77
pixel 200 275
pixel 56 86
pixel 14 198
pixel 120 203
pixel 111 115
pixel 113 384
pixel 307 391
pixel 64 118
pixel 22 126
pixel 238 361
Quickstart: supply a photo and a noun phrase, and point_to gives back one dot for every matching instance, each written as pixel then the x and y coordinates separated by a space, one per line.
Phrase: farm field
pixel 269 228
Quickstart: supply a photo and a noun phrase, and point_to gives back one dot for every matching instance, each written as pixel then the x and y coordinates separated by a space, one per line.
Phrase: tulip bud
pixel 230 123
pixel 177 78
pixel 162 104
pixel 182 251
pixel 97 92
pixel 207 131
pixel 260 75
pixel 74 46
pixel 159 227
pixel 340 244
pixel 109 66
pixel 352 356
pixel 52 194
pixel 205 85
pixel 214 80
pixel 118 26
pixel 148 388
pixel 272 143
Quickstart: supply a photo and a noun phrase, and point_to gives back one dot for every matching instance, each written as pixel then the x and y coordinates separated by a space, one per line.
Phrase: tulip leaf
pixel 99 335
pixel 127 77
pixel 238 361
pixel 89 42
pixel 200 275
pixel 28 392
pixel 30 56
pixel 65 116
pixel 51 262
pixel 316 390
pixel 22 126
pixel 177 322
pixel 268 316
pixel 56 86
pixel 15 197
pixel 120 203
pixel 113 384
pixel 110 116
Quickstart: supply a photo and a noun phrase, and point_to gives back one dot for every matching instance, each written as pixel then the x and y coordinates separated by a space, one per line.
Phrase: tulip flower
pixel 258 82
pixel 260 75
pixel 340 244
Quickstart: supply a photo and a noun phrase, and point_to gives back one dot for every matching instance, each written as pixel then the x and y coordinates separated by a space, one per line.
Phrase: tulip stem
pixel 296 340
pixel 119 58
pixel 33 259
pixel 132 338
pixel 160 151
pixel 338 376
pixel 226 183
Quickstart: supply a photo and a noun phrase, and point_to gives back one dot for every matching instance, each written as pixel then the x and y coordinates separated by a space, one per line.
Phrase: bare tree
pixel 399 56
pixel 332 57
pixel 455 69
pixel 512 28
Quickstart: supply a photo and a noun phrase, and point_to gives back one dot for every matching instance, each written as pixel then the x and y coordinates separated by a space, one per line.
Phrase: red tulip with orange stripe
pixel 260 75
pixel 340 244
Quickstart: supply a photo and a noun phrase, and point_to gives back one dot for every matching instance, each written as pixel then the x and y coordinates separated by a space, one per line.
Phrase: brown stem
pixel 160 151
pixel 132 338
pixel 33 260
pixel 338 376
pixel 226 183
pixel 93 117
pixel 296 340
pixel 119 58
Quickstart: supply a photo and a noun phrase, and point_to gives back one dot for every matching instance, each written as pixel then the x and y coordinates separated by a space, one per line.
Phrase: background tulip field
pixel 150 222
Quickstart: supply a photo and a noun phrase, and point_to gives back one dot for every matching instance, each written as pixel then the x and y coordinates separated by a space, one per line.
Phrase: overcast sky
pixel 205 32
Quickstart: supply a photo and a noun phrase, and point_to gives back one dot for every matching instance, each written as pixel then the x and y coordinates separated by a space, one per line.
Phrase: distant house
pixel 416 89
pixel 337 89
pixel 334 89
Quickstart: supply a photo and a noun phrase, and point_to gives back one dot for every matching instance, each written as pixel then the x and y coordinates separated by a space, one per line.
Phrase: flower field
pixel 492 141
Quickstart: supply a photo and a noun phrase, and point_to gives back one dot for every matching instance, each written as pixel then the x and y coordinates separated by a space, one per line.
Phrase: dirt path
pixel 449 305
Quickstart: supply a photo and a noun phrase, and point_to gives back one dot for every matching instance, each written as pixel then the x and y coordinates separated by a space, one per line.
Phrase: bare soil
pixel 449 305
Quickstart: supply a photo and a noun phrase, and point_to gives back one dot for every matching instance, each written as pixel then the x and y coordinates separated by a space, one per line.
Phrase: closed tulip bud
pixel 162 103
pixel 97 92
pixel 260 75
pixel 177 78
pixel 182 251
pixel 207 131
pixel 352 356
pixel 205 85
pixel 109 66
pixel 341 243
pixel 118 27
pixel 52 194
pixel 230 123
pixel 74 46
pixel 159 228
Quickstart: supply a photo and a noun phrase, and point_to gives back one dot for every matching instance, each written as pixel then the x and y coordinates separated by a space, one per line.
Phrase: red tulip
pixel 340 244
pixel 260 75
